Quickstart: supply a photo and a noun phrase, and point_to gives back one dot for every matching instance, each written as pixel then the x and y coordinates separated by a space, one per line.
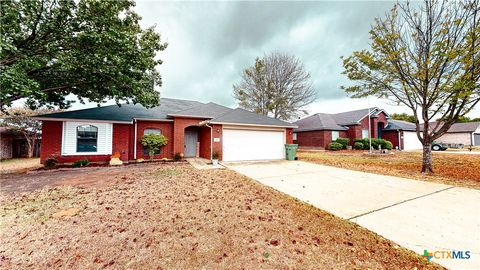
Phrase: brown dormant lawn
pixel 19 164
pixel 177 217
pixel 455 169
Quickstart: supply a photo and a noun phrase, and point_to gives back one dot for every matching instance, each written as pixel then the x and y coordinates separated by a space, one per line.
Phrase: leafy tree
pixel 466 119
pixel 93 49
pixel 19 119
pixel 276 85
pixel 425 56
pixel 403 116
pixel 153 142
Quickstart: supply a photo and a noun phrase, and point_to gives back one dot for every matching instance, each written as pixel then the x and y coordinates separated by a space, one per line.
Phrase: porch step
pixel 203 164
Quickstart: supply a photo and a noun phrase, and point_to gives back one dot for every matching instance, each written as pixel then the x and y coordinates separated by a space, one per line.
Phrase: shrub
pixel 343 141
pixel 51 163
pixel 177 157
pixel 334 146
pixel 365 143
pixel 81 163
pixel 375 143
pixel 152 142
pixel 358 146
pixel 387 145
pixel 215 155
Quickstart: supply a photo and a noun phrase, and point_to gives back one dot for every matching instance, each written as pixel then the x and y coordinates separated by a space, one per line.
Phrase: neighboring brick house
pixel 320 129
pixel 14 145
pixel 192 128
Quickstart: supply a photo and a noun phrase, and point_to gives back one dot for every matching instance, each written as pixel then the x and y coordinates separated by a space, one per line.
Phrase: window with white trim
pixel 83 138
pixel 335 135
pixel 87 138
pixel 364 133
pixel 152 131
pixel 294 136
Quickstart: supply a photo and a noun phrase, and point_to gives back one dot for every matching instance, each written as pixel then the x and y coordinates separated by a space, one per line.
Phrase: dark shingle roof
pixel 241 116
pixel 464 127
pixel 400 125
pixel 352 117
pixel 126 112
pixel 318 121
pixel 168 108
pixel 209 110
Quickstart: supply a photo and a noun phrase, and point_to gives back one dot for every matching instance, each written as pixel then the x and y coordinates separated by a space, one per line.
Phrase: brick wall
pixel 392 136
pixel 461 137
pixel 179 125
pixel 317 138
pixel 217 146
pixel 51 140
pixel 204 139
pixel 5 147
pixel 121 140
pixel 52 143
pixel 289 136
pixel 166 129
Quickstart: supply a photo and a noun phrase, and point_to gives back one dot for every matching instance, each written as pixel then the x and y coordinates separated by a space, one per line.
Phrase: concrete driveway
pixel 416 215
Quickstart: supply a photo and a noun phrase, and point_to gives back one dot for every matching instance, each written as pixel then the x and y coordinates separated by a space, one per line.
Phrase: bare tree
pixel 19 119
pixel 425 56
pixel 277 85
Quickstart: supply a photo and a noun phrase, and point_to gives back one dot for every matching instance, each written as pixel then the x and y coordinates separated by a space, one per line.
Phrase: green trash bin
pixel 291 151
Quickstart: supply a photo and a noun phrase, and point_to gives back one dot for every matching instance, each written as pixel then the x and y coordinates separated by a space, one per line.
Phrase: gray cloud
pixel 210 43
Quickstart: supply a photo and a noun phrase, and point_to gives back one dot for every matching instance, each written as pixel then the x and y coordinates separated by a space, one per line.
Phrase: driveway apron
pixel 415 214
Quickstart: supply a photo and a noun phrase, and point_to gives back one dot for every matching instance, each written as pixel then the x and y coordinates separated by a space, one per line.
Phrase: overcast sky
pixel 210 43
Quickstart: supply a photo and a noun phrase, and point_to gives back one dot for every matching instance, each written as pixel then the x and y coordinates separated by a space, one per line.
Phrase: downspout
pixel 399 140
pixel 211 140
pixel 135 140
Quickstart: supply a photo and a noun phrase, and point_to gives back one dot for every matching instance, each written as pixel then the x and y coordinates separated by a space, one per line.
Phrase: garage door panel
pixel 241 144
pixel 411 141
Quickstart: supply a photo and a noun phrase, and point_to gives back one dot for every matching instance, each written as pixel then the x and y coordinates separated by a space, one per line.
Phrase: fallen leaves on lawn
pixel 453 169
pixel 176 217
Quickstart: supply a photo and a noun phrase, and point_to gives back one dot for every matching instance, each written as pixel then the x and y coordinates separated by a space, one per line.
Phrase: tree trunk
pixel 427 158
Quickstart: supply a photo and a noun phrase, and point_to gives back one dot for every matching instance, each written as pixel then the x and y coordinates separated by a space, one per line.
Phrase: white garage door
pixel 410 141
pixel 241 144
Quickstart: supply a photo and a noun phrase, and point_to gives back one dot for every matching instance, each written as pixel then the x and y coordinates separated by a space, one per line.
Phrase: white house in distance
pixel 464 133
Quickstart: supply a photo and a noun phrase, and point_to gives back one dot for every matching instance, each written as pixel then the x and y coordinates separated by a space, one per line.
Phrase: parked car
pixel 439 147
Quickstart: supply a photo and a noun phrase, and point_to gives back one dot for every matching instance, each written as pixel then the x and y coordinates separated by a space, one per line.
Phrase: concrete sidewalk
pixel 415 214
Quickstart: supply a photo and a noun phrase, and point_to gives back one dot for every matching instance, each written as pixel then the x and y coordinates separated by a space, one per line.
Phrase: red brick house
pixel 192 128
pixel 320 129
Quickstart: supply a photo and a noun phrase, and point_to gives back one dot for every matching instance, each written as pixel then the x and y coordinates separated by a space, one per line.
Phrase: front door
pixel 190 146
pixel 379 130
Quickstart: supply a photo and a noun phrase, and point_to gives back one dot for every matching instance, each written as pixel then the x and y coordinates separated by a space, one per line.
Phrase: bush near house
pixel 358 146
pixel 334 146
pixel 153 142
pixel 81 163
pixel 384 144
pixel 343 141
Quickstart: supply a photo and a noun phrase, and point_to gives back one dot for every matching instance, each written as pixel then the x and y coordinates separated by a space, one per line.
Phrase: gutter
pixel 135 140
pixel 399 140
